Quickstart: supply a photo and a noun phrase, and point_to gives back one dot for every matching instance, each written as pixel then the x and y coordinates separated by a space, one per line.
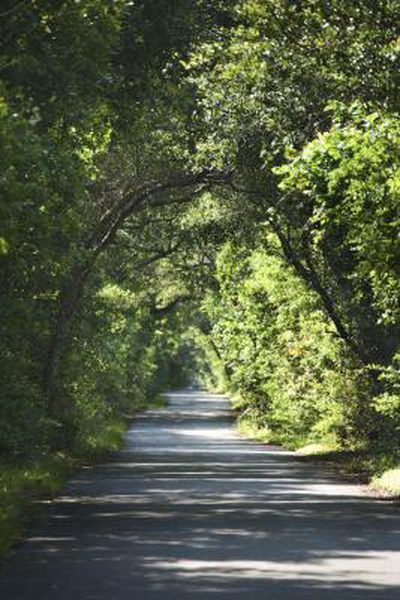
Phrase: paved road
pixel 190 511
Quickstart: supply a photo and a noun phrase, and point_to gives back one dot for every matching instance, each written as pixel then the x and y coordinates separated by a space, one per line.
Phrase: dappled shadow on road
pixel 184 513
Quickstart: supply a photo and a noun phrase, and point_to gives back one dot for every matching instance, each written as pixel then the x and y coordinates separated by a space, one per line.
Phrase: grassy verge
pixel 22 482
pixel 388 482
pixel 375 466
pixel 95 446
pixel 25 481
pixel 250 430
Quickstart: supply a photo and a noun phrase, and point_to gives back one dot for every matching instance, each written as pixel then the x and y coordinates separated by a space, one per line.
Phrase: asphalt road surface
pixel 188 510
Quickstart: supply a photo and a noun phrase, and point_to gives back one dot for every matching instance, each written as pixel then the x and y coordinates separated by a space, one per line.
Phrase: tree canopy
pixel 200 191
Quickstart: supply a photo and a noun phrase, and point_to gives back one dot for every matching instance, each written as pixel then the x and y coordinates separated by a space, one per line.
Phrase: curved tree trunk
pixel 154 194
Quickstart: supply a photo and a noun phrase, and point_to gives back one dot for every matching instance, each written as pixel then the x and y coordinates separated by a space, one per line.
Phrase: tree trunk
pixel 70 294
pixel 311 277
pixel 101 237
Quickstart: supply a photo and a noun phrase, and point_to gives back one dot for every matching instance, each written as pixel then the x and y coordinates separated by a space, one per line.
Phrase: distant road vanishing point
pixel 189 510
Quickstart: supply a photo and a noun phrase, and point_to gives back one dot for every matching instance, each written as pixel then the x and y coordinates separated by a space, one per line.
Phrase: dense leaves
pixel 199 190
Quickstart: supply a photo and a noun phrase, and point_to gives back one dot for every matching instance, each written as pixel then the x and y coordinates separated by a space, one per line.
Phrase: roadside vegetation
pixel 203 190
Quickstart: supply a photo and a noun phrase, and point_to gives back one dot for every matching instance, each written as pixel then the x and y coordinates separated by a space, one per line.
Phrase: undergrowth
pixel 374 464
pixel 25 481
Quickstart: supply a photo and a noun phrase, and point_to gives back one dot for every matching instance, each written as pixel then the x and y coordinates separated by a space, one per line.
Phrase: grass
pixel 377 466
pixel 247 426
pixel 96 445
pixel 388 482
pixel 249 429
pixel 316 449
pixel 372 466
pixel 21 482
pixel 25 481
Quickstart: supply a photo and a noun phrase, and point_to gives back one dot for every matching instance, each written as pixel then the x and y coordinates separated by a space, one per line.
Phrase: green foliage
pixel 22 481
pixel 40 476
pixel 38 180
pixel 388 482
pixel 296 378
pixel 112 366
pixel 57 56
pixel 130 261
pixel 350 178
pixel 64 162
pixel 299 101
pixel 264 82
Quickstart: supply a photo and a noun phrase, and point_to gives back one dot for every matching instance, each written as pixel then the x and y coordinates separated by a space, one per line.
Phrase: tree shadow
pixel 185 515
